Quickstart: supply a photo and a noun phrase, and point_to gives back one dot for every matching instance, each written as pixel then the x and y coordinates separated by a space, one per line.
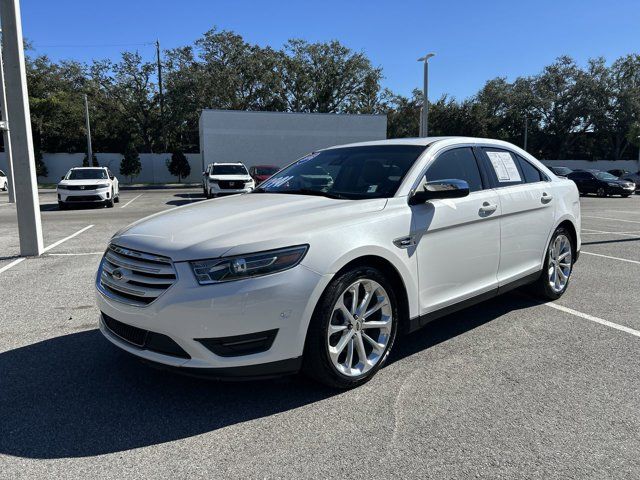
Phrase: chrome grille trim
pixel 140 277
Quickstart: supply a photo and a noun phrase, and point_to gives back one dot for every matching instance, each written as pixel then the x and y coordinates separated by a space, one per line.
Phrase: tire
pixel 62 206
pixel 333 372
pixel 117 198
pixel 601 192
pixel 626 196
pixel 5 187
pixel 109 203
pixel 543 286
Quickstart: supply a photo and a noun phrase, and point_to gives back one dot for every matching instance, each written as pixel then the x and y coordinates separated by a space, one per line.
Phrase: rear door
pixel 457 240
pixel 528 212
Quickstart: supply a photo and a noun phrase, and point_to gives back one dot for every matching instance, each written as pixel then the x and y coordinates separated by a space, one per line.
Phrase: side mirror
pixel 438 189
pixel 62 177
pixel 112 177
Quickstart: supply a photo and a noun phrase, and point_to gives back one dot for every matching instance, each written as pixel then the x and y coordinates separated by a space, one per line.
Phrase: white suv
pixel 88 185
pixel 4 183
pixel 322 265
pixel 226 179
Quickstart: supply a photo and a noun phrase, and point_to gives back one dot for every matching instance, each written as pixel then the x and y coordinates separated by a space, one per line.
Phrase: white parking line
pixel 607 256
pixel 12 264
pixel 73 254
pixel 609 218
pixel 54 245
pixel 591 318
pixel 601 232
pixel 134 198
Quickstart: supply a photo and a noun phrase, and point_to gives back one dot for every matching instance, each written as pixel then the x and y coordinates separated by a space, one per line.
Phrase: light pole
pixel 424 124
pixel 88 127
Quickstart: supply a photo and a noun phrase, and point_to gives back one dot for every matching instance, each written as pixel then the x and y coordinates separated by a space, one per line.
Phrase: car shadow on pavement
pixel 77 395
pixel 185 198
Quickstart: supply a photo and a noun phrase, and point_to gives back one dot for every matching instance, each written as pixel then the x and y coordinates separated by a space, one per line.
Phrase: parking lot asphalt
pixel 510 388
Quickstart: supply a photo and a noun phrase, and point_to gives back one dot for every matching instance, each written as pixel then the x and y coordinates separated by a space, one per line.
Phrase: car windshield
pixel 347 173
pixel 266 170
pixel 87 174
pixel 605 176
pixel 228 170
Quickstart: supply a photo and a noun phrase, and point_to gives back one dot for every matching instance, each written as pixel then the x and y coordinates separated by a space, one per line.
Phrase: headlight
pixel 245 266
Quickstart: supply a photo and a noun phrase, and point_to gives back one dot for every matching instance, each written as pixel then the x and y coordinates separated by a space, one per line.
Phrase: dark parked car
pixel 561 171
pixel 601 183
pixel 260 173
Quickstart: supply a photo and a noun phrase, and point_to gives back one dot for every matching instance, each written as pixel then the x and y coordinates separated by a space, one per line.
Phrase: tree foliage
pixel 179 166
pixel 130 165
pixel 570 111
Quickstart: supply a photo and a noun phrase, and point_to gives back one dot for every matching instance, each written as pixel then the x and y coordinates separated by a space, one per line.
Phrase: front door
pixel 457 240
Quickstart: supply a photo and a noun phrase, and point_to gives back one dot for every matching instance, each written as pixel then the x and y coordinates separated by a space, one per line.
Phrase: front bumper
pixel 620 190
pixel 215 189
pixel 81 196
pixel 195 317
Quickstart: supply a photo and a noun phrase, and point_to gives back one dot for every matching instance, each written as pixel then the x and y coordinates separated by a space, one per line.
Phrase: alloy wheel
pixel 360 328
pixel 559 267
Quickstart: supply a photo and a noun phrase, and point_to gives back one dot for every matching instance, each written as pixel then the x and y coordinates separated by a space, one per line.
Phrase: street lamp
pixel 424 124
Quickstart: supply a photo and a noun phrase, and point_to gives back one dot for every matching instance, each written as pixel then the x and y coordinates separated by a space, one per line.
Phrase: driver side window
pixel 457 163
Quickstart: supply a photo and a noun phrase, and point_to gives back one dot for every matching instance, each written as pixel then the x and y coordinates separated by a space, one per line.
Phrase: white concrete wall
pixel 278 138
pixel 154 166
pixel 631 165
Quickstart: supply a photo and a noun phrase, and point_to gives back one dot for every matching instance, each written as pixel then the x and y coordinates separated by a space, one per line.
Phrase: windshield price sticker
pixel 504 166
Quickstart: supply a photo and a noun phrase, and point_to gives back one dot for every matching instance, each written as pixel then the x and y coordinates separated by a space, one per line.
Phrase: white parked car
pixel 226 179
pixel 326 262
pixel 88 185
pixel 4 183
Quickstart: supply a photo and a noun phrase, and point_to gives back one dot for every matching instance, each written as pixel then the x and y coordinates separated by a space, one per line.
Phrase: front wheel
pixel 352 330
pixel 601 192
pixel 558 265
pixel 109 202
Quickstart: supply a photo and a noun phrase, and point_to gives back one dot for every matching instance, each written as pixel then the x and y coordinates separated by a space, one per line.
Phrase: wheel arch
pixel 395 278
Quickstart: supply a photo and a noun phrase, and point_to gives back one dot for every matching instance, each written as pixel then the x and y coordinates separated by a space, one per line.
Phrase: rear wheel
pixel 601 192
pixel 352 329
pixel 558 265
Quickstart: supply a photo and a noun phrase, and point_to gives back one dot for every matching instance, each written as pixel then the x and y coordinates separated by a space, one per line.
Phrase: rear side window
pixel 504 167
pixel 458 163
pixel 531 173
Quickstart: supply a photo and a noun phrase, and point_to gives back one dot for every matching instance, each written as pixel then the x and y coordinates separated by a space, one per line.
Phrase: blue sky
pixel 474 40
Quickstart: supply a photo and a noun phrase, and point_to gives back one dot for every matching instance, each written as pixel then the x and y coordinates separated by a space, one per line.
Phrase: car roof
pixel 87 168
pixel 226 163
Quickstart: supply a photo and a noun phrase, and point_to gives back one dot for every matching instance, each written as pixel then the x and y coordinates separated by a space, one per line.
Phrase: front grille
pixel 84 198
pixel 134 335
pixel 79 187
pixel 155 342
pixel 134 277
pixel 231 184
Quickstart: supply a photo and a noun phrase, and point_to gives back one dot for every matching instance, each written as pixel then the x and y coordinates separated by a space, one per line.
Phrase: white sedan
pixel 4 183
pixel 322 266
pixel 88 185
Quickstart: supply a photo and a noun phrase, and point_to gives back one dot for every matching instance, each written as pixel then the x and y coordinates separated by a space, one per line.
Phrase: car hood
pixel 241 224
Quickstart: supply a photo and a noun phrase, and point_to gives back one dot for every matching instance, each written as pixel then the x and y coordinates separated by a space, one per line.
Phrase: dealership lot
pixel 506 389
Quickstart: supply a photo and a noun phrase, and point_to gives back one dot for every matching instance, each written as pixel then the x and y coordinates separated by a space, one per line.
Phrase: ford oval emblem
pixel 117 274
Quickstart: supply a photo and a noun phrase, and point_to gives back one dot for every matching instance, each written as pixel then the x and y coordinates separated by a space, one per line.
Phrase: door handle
pixel 487 209
pixel 546 198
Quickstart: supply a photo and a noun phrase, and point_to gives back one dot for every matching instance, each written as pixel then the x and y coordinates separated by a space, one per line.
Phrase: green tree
pixel 179 166
pixel 41 168
pixel 130 165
